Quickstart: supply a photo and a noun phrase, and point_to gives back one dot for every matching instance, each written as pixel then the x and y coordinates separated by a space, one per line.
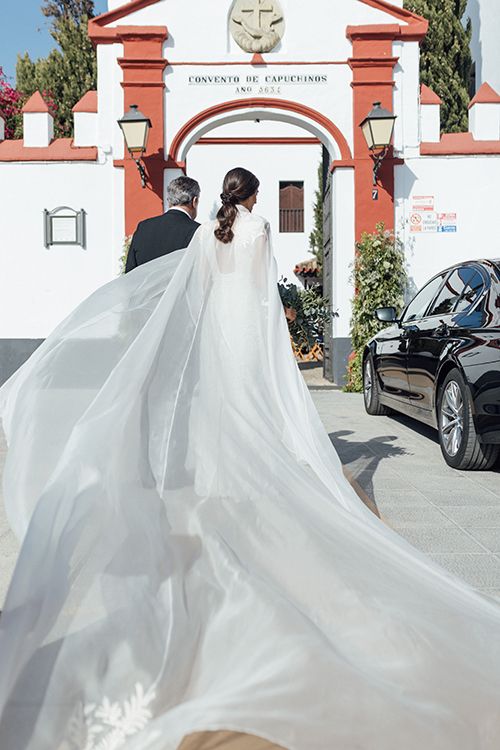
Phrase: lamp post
pixel 135 128
pixel 378 128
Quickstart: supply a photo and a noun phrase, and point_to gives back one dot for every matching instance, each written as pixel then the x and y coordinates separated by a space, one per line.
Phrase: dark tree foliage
pixel 69 71
pixel 316 236
pixel 445 61
pixel 75 9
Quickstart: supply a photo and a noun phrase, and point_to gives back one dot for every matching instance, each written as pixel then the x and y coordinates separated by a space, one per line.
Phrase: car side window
pixel 454 286
pixel 419 304
pixel 473 289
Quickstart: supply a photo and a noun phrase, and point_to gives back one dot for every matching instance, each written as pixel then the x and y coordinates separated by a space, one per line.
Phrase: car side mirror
pixel 386 314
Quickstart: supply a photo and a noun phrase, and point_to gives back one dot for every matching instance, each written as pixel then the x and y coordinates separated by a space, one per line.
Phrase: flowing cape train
pixel 192 557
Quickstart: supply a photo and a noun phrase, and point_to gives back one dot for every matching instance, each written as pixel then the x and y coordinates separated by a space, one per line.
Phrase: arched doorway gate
pixel 339 226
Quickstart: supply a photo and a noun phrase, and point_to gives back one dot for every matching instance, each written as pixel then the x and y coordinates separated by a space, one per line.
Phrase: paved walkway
pixel 395 464
pixel 396 467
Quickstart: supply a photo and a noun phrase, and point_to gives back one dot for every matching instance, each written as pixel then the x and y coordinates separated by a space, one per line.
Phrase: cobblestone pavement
pixel 395 465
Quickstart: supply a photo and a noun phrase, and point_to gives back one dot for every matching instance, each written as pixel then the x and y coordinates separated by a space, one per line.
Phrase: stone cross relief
pixel 257 25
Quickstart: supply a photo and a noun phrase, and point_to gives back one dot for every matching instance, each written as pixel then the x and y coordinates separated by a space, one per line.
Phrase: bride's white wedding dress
pixel 192 556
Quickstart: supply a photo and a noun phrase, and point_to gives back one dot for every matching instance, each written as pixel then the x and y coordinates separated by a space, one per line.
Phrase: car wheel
pixel 370 390
pixel 459 441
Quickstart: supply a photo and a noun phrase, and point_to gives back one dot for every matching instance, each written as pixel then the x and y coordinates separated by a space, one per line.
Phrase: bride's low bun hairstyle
pixel 239 184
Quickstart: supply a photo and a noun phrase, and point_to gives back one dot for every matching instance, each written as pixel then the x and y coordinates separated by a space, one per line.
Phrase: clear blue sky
pixel 23 28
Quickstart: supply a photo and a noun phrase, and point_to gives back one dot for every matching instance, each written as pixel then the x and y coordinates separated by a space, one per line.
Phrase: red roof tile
pixel 61 149
pixel 459 143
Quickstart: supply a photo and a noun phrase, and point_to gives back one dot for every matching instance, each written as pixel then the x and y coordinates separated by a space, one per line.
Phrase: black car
pixel 440 362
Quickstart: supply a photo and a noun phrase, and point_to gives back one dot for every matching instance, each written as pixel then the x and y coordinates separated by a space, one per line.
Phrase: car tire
pixel 458 438
pixel 370 390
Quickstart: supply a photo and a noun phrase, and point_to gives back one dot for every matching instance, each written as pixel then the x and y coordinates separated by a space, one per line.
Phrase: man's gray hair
pixel 182 191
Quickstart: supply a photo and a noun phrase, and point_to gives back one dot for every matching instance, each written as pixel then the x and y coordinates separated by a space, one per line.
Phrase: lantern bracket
pixel 377 163
pixel 142 171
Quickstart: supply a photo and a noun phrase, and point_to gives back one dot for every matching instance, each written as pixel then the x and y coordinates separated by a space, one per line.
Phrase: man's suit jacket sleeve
pixel 131 257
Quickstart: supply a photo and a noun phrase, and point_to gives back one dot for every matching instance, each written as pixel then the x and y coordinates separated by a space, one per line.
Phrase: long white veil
pixel 192 556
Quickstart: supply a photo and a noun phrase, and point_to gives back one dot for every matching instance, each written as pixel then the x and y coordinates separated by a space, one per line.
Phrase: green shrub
pixel 379 279
pixel 122 260
pixel 310 314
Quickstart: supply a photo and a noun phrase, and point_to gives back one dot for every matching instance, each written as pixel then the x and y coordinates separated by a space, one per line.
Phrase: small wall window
pixel 291 206
pixel 64 226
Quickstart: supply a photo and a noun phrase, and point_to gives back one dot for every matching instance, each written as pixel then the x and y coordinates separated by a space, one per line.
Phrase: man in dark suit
pixel 172 230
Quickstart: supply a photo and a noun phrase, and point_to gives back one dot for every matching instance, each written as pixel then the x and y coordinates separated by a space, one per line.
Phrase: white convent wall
pixel 191 89
pixel 467 186
pixel 40 285
pixel 272 164
pixel 485 47
pixel 313 30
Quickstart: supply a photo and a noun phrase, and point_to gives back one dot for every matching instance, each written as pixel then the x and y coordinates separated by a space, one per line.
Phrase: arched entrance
pixel 338 190
pixel 271 109
pixel 189 82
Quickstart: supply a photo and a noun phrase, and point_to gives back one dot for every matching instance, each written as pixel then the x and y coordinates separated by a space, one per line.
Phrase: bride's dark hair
pixel 239 184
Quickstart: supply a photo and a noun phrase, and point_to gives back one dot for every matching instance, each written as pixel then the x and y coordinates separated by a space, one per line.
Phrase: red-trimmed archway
pixel 260 103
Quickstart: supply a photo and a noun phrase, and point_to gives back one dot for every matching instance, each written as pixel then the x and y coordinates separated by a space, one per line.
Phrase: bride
pixel 192 558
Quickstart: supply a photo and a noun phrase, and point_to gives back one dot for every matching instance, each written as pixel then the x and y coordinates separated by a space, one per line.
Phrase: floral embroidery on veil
pixel 106 726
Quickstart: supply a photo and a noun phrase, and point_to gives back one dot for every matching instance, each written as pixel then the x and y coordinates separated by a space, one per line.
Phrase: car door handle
pixel 442 330
pixel 409 332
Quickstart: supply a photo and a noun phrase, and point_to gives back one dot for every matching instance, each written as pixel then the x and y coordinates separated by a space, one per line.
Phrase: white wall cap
pixel 85 129
pixel 38 123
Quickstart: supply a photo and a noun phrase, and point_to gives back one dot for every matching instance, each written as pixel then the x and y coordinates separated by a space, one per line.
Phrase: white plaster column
pixel 430 115
pixel 484 114
pixel 85 120
pixel 2 128
pixel 343 245
pixel 343 248
pixel 38 123
pixel 405 97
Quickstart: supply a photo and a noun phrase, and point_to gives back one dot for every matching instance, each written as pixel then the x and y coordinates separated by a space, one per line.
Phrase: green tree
pixel 316 236
pixel 68 72
pixel 379 278
pixel 445 58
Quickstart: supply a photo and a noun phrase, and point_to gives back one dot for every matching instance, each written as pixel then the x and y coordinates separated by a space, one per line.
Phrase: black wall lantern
pixel 378 129
pixel 135 128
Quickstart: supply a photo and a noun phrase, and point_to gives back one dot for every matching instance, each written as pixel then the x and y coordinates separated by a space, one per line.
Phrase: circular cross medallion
pixel 257 25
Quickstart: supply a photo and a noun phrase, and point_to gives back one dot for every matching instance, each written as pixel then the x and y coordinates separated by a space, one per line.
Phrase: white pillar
pixel 430 115
pixel 2 128
pixel 85 120
pixel 343 248
pixel 484 114
pixel 405 98
pixel 38 123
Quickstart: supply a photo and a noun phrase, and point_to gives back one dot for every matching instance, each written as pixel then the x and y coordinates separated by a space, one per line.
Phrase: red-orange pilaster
pixel 143 65
pixel 372 66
